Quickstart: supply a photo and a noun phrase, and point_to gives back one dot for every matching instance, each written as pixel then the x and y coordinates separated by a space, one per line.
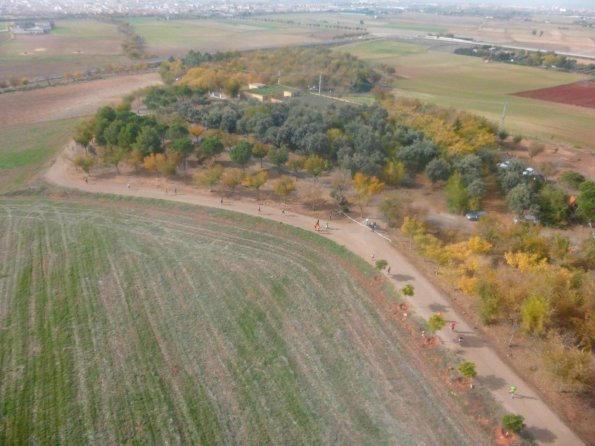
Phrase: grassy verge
pixel 26 148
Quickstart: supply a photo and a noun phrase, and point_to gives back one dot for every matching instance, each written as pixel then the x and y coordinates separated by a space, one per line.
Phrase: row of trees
pixel 522 57
pixel 133 44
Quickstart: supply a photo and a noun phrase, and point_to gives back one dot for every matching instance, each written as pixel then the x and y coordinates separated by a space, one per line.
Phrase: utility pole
pixel 319 84
pixel 503 117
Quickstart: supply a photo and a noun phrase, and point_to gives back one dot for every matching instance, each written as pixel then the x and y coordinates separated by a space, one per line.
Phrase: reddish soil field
pixel 69 101
pixel 578 93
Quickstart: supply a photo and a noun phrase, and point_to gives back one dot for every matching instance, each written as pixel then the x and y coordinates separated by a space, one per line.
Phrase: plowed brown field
pixel 578 93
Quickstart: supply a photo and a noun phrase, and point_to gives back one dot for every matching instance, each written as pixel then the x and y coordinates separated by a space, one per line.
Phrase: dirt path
pixel 543 424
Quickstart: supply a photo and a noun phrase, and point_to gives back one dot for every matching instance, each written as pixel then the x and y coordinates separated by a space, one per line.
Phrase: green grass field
pixel 25 149
pixel 129 322
pixel 468 83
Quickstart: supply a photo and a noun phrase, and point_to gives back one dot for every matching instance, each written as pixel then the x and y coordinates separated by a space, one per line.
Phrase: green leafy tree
pixel 241 153
pixel 467 369
pixel 113 155
pixel 572 179
pixel 381 264
pixel 183 147
pixel 128 134
pixel 513 423
pixel 586 201
pixel 438 170
pixel 457 196
pixel 408 290
pixel 148 141
pixel 521 198
pixel 278 156
pixel 436 323
pixel 553 206
pixel 211 146
pixel 176 131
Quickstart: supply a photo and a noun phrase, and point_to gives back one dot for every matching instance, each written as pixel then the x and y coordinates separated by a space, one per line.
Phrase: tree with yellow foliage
pixel 525 261
pixel 232 178
pixel 283 187
pixel 256 181
pixel 365 188
pixel 209 177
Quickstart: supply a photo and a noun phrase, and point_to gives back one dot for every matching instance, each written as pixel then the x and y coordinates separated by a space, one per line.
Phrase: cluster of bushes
pixel 519 277
pixel 298 67
pixel 117 135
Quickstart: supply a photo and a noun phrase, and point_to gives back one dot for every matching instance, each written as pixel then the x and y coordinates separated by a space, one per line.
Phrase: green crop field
pixel 130 322
pixel 26 148
pixel 468 83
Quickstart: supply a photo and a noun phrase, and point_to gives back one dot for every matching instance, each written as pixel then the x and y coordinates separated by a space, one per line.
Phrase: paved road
pixel 543 424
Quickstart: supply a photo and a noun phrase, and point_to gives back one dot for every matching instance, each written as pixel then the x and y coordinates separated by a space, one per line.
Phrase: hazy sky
pixel 530 3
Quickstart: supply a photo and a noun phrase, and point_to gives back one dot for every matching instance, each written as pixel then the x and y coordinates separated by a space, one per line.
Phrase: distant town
pixel 17 9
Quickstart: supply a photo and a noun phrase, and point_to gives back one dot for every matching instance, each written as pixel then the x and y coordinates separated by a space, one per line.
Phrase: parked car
pixel 528 218
pixel 475 215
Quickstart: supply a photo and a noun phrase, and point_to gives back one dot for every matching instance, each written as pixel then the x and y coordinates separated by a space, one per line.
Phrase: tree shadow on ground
pixel 438 308
pixel 402 277
pixel 470 341
pixel 540 435
pixel 492 382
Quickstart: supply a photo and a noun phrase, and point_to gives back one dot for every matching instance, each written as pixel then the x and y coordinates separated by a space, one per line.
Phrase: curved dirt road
pixel 543 424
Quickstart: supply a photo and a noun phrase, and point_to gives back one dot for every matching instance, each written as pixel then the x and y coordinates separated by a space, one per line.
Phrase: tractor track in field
pixel 542 423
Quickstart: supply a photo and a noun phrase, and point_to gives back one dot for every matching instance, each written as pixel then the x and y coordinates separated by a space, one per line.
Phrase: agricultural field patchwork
pixel 133 322
pixel 435 75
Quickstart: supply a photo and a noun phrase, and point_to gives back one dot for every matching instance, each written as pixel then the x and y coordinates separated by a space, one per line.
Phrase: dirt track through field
pixel 543 424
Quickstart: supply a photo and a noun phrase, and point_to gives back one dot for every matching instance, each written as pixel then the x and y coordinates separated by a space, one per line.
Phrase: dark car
pixel 475 215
